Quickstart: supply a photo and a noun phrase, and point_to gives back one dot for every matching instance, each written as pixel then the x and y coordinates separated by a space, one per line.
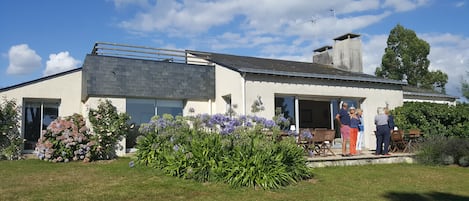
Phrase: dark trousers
pixel 383 135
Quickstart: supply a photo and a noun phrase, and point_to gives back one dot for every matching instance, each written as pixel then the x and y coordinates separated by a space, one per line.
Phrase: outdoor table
pixel 413 138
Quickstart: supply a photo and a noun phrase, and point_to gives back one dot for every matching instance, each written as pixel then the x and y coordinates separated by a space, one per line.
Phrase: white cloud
pixel 262 17
pixel 174 17
pixel 60 62
pixel 23 60
pixel 124 3
pixel 404 5
pixel 373 51
pixel 460 4
pixel 450 54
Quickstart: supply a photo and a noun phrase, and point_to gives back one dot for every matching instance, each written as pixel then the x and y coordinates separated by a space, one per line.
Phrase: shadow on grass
pixel 431 196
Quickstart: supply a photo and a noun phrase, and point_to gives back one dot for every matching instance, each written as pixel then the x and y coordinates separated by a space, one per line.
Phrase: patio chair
pixel 322 140
pixel 397 141
pixel 414 136
pixel 306 142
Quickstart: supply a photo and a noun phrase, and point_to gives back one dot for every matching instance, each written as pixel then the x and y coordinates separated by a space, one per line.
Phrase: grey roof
pixel 414 91
pixel 246 64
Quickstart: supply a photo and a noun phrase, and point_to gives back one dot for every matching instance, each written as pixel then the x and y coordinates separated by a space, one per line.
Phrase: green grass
pixel 114 180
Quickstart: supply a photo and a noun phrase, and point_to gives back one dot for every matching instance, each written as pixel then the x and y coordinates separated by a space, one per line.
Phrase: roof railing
pixel 150 53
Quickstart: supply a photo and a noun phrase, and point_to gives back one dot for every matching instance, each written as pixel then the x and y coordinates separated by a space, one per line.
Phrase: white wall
pixel 199 106
pixel 93 102
pixel 373 98
pixel 228 82
pixel 67 88
pixel 430 101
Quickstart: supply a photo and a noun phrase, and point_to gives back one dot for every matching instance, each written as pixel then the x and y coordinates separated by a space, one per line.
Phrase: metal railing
pixel 151 53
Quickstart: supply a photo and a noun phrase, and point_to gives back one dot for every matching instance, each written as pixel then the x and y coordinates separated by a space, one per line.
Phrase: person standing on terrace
pixel 361 130
pixel 382 132
pixel 344 119
pixel 354 122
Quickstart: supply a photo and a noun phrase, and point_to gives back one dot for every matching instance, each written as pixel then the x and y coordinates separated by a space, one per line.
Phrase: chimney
pixel 323 55
pixel 346 54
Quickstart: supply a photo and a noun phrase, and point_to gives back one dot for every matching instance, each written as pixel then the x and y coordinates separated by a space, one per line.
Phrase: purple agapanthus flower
pixel 269 123
pixel 306 134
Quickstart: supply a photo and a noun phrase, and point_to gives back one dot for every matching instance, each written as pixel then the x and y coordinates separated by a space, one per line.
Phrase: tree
pixel 405 58
pixel 11 142
pixel 435 80
pixel 465 88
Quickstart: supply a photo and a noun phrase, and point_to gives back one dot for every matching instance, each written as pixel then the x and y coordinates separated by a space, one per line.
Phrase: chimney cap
pixel 347 35
pixel 323 48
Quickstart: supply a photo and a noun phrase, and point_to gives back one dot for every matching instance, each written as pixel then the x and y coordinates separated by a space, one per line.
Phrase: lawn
pixel 115 180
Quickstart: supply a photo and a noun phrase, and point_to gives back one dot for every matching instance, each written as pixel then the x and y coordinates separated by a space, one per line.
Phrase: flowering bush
pixel 10 137
pixel 235 150
pixel 65 139
pixel 109 127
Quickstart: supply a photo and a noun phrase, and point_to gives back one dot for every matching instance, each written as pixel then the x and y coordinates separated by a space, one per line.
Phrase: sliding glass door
pixel 37 115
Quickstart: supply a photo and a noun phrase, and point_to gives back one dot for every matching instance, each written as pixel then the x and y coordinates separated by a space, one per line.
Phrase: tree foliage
pixel 405 58
pixel 10 137
pixel 465 88
pixel 434 119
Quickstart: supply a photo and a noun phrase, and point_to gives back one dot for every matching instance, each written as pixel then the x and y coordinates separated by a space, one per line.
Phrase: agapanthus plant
pixel 236 150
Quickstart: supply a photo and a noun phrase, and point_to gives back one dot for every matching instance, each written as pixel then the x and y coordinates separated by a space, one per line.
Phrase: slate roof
pixel 414 91
pixel 246 64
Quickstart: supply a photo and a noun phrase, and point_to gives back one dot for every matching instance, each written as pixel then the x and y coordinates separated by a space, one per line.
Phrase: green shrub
pixel 11 142
pixel 440 150
pixel 109 127
pixel 464 161
pixel 221 148
pixel 433 118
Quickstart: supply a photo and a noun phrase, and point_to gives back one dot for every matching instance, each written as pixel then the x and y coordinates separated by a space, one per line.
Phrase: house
pixel 145 81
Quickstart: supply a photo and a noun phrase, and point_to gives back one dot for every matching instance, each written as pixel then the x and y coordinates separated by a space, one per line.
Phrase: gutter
pixel 321 76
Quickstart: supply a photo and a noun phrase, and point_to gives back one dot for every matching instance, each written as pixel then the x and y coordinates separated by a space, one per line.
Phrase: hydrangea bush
pixel 109 127
pixel 235 150
pixel 66 139
pixel 69 139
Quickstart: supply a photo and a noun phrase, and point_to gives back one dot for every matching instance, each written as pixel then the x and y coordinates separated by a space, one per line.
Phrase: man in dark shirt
pixel 344 119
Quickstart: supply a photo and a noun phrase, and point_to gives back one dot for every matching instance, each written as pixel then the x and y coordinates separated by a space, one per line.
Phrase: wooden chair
pixel 322 140
pixel 398 142
pixel 305 143
pixel 414 132
pixel 414 138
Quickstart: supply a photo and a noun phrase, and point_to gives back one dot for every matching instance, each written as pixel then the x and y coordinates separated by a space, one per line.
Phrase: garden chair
pixel 306 142
pixel 398 142
pixel 322 140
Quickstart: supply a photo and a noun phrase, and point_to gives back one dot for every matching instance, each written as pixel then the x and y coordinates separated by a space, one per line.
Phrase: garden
pixel 214 157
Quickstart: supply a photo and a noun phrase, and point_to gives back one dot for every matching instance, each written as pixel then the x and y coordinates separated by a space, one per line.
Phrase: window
pixel 37 115
pixel 286 106
pixel 172 107
pixel 142 110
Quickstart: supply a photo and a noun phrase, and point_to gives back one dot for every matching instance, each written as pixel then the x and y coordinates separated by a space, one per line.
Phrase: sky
pixel 43 37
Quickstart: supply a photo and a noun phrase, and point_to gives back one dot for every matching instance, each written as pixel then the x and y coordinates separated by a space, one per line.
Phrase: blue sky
pixel 39 38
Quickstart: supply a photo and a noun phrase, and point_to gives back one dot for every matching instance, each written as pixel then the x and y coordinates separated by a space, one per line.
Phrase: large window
pixel 286 106
pixel 37 115
pixel 142 110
